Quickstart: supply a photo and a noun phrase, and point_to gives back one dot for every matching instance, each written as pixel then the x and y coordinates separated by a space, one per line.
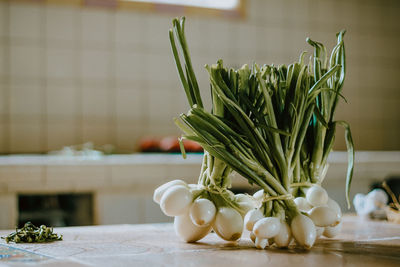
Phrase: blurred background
pixel 102 71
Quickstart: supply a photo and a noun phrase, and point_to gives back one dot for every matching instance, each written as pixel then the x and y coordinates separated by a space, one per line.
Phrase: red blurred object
pixel 149 144
pixel 167 144
pixel 192 146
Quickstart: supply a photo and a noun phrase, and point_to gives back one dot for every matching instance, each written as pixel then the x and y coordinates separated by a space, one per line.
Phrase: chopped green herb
pixel 33 234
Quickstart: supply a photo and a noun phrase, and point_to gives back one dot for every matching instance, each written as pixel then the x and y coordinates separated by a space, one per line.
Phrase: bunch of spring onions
pixel 272 125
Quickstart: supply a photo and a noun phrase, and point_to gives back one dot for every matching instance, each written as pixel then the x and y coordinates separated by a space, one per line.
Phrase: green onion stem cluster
pixel 274 125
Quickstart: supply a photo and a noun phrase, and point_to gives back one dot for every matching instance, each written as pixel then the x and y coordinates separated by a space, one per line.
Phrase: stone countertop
pixel 361 243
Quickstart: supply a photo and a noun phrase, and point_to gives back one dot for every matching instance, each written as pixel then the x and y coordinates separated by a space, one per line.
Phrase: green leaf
pixel 324 78
pixel 315 93
pixel 182 148
pixel 329 141
pixel 189 94
pixel 350 158
pixel 320 117
pixel 275 130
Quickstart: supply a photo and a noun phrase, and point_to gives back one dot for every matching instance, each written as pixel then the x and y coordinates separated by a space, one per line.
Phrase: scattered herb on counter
pixel 33 234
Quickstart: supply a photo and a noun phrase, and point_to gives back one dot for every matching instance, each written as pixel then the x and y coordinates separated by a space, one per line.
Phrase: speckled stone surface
pixel 361 243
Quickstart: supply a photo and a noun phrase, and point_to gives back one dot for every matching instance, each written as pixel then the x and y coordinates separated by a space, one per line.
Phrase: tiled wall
pixel 70 75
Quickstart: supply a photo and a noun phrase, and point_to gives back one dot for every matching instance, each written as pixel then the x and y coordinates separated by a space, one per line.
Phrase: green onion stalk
pixel 214 178
pixel 320 135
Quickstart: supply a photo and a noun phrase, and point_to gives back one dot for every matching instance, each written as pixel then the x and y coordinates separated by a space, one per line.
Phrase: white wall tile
pixel 128 133
pixel 61 63
pixel 274 10
pixel 26 100
pixel 62 101
pixel 18 176
pixel 134 175
pixel 3 14
pixel 390 23
pixel 97 132
pixel 9 214
pixel 371 15
pixel 130 66
pixel 220 37
pixel 156 36
pixel 256 11
pixel 108 213
pixel 95 64
pixel 160 67
pixel 3 64
pixel 4 140
pixel 61 132
pixel 153 213
pixel 246 40
pixel 161 128
pixel 62 22
pixel 26 136
pixel 197 32
pixel 92 175
pixel 130 29
pixel 26 61
pixel 181 104
pixel 25 20
pixel 31 174
pixel 349 11
pixel 95 26
pixel 160 103
pixel 327 11
pixel 130 103
pixel 4 102
pixel 187 172
pixel 75 178
pixel 95 102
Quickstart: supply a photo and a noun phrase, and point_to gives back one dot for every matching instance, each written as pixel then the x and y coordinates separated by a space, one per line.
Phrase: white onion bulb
pixel 320 230
pixel 158 193
pixel 202 212
pixel 251 218
pixel 283 238
pixel 335 206
pixel 324 216
pixel 332 231
pixel 187 231
pixel 261 243
pixel 302 204
pixel 245 202
pixel 378 196
pixel 259 195
pixel 176 200
pixel 253 237
pixel 267 227
pixel 303 230
pixel 363 205
pixel 317 196
pixel 228 224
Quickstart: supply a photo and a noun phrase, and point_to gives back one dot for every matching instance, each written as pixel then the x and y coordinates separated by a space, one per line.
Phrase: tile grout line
pixel 7 98
pixel 112 90
pixel 43 81
pixel 79 79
